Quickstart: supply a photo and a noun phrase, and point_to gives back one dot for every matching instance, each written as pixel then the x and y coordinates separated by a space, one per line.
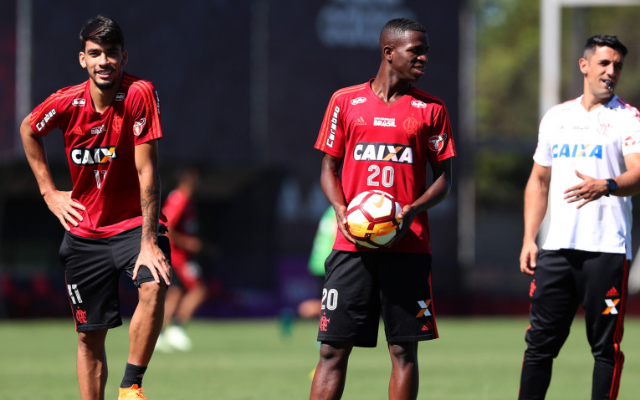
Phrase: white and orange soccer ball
pixel 372 218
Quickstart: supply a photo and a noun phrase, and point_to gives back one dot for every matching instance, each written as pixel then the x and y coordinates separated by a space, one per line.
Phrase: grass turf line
pixel 475 358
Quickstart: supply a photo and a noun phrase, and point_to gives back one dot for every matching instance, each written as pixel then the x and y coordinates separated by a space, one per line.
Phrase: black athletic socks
pixel 132 376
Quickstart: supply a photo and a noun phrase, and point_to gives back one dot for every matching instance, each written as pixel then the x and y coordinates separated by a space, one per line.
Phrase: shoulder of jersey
pixel 71 92
pixel 425 97
pixel 133 83
pixel 618 103
pixel 65 98
pixel 350 91
pixel 562 107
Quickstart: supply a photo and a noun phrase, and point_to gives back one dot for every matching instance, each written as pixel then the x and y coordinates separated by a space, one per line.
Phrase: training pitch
pixel 267 360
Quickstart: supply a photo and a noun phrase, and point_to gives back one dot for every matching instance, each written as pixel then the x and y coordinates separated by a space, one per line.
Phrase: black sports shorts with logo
pixel 361 286
pixel 92 269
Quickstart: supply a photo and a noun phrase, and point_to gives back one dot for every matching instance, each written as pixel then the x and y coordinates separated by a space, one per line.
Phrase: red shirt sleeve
pixel 45 117
pixel 145 108
pixel 440 142
pixel 331 139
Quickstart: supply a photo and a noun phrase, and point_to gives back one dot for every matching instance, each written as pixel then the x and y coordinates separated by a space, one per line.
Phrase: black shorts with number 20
pixel 361 286
pixel 92 269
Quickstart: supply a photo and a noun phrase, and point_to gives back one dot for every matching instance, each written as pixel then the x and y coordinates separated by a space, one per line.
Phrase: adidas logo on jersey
pixel 360 121
pixel 612 292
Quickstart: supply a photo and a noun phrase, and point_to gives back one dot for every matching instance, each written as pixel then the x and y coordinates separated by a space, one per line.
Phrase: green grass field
pixel 251 359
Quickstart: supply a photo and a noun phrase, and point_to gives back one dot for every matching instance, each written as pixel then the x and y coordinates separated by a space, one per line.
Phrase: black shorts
pixel 361 286
pixel 92 269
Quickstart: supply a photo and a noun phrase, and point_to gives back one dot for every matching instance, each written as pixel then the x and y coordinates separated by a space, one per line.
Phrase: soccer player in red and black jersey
pixel 189 289
pixel 385 134
pixel 111 128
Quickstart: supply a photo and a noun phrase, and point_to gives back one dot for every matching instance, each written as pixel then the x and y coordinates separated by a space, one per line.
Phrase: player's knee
pixel 91 341
pixel 608 351
pixel 405 353
pixel 335 353
pixel 152 293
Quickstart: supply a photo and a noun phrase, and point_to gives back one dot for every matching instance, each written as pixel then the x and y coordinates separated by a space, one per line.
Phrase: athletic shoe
pixel 132 393
pixel 177 338
pixel 163 345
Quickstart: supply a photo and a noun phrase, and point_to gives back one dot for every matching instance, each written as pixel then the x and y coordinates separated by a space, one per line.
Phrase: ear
pixel 583 63
pixel 387 53
pixel 81 59
pixel 125 57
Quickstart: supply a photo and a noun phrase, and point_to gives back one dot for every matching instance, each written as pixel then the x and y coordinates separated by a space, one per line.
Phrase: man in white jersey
pixel 586 167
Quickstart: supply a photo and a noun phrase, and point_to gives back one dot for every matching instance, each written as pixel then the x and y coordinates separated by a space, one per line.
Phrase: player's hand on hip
pixel 152 257
pixel 64 208
pixel 588 190
pixel 528 258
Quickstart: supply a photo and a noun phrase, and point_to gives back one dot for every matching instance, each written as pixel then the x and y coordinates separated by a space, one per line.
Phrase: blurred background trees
pixel 508 77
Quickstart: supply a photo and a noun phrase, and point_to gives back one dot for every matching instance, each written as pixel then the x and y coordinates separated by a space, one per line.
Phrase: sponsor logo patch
pixel 138 125
pixel 120 96
pixel 358 100
pixel 436 142
pixel 390 152
pixel 334 126
pixel 158 101
pixel 424 308
pixel 418 104
pixel 79 102
pixel 98 130
pixel 40 125
pixel 576 150
pixel 631 141
pixel 98 155
pixel 385 122
pixel 611 306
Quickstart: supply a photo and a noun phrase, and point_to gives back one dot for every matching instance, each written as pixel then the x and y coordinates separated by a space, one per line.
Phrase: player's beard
pixel 104 85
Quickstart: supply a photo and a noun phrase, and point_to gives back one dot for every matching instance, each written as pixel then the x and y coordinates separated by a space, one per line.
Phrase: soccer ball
pixel 372 218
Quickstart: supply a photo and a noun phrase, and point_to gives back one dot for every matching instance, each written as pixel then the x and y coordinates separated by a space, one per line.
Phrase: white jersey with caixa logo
pixel 593 143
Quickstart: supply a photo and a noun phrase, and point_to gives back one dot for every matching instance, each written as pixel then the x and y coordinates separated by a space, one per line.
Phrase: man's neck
pixel 102 98
pixel 389 88
pixel 591 102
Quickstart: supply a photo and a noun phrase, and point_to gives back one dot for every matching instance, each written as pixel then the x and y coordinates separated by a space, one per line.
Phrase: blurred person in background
pixel 111 127
pixel 189 290
pixel 586 168
pixel 322 245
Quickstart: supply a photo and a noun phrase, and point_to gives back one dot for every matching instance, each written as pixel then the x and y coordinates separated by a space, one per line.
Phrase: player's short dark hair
pixel 605 40
pixel 102 30
pixel 399 26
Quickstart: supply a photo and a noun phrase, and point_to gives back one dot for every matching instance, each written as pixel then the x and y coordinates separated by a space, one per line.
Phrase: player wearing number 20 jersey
pixel 100 149
pixel 387 147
